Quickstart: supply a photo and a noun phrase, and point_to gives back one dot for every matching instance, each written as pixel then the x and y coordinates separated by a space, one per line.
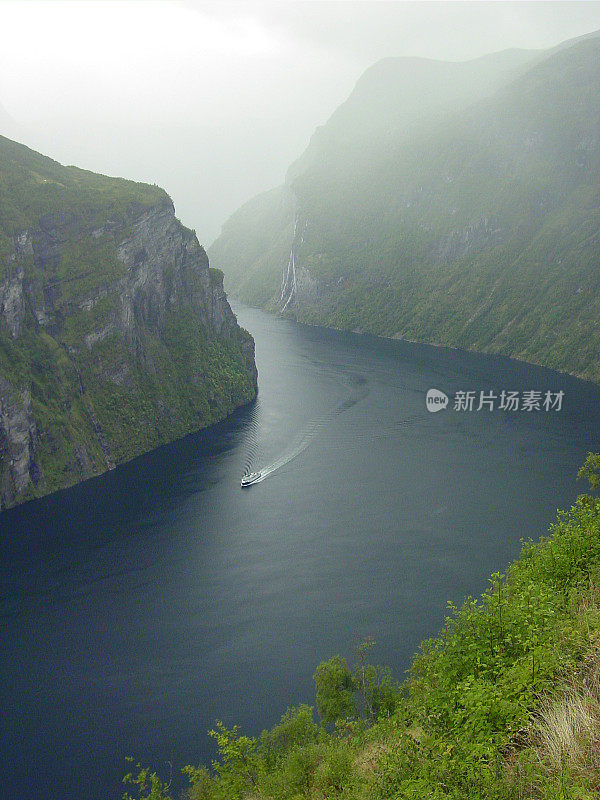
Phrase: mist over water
pixel 138 608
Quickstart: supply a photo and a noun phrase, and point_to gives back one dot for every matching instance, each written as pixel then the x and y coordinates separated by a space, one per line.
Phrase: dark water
pixel 138 608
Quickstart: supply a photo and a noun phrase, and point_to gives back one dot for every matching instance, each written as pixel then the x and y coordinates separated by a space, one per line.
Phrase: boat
pixel 252 477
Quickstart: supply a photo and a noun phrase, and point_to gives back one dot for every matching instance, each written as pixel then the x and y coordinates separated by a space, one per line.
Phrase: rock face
pixel 115 335
pixel 17 442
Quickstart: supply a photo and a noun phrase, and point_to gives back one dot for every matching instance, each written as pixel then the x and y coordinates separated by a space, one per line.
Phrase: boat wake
pixel 359 391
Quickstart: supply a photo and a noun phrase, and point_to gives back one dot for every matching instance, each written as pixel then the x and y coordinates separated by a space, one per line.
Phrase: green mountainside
pixel 390 99
pixel 458 211
pixel 503 705
pixel 115 336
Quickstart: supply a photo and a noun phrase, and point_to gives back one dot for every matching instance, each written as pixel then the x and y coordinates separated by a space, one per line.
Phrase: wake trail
pixel 308 433
pixel 253 446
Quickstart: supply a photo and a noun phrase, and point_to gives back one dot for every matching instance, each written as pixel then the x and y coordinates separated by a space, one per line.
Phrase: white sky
pixel 213 100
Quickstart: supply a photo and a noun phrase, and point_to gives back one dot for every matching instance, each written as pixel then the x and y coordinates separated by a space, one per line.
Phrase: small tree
pixel 591 470
pixel 239 764
pixel 366 691
pixel 374 684
pixel 335 690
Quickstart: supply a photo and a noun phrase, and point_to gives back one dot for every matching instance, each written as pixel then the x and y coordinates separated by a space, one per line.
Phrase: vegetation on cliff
pixel 34 187
pixel 471 223
pixel 504 704
pixel 114 335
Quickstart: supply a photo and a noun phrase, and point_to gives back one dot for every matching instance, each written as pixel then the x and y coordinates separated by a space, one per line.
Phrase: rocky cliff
pixel 115 335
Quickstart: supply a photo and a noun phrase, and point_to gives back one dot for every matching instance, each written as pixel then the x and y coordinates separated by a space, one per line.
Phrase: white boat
pixel 251 478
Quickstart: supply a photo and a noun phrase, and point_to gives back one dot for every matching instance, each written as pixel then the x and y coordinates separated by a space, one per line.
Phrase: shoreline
pixel 438 345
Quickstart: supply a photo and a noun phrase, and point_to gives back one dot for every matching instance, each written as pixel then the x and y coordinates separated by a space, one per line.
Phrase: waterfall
pixel 288 279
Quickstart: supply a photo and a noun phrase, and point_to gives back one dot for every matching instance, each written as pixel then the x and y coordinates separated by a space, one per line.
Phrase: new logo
pixel 435 400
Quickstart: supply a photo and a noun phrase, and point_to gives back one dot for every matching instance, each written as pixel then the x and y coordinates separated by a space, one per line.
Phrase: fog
pixel 213 100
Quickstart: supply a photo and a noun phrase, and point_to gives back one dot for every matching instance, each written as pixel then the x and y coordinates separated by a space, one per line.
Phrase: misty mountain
pixel 396 94
pixel 8 126
pixel 389 100
pixel 446 203
pixel 115 336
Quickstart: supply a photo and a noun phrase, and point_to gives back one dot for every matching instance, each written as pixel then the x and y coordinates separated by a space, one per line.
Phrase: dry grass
pixel 368 759
pixel 563 736
pixel 566 731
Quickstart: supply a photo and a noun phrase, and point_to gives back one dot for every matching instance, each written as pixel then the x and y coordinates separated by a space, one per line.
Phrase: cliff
pixel 115 336
pixel 451 204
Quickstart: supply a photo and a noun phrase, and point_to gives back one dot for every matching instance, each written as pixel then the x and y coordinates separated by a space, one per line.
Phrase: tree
pixel 335 690
pixel 366 691
pixel 374 684
pixel 239 764
pixel 591 470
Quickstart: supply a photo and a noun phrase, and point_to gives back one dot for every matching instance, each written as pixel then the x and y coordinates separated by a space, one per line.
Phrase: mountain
pixel 460 208
pixel 390 99
pixel 8 126
pixel 115 335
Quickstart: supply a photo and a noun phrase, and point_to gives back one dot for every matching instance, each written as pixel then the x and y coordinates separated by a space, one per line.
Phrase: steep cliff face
pixel 481 233
pixel 115 335
pixel 471 223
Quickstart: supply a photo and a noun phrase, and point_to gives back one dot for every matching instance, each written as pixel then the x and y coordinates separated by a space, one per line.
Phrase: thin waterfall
pixel 289 284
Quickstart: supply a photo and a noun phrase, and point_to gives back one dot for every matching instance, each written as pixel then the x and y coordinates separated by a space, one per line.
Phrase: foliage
pixel 335 690
pixel 591 470
pixel 34 189
pixel 148 784
pixel 365 692
pixel 239 765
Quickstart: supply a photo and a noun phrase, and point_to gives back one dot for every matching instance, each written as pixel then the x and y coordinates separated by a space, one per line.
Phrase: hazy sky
pixel 213 100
